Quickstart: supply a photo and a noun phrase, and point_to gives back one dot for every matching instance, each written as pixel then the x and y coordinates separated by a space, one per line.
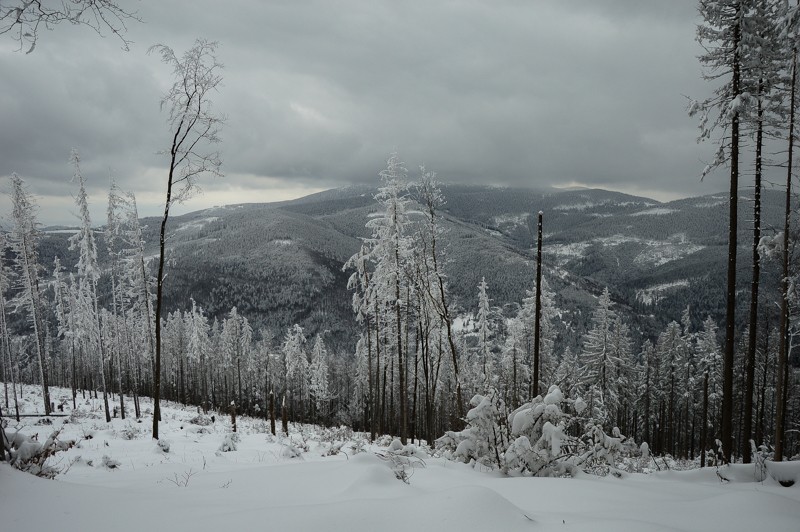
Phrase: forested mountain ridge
pixel 281 263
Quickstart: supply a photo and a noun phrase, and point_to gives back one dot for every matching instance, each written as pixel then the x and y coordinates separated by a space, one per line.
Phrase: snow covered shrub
pixel 484 439
pixel 290 451
pixel 230 443
pixel 109 463
pixel 384 441
pixel 163 445
pixel 130 432
pixel 29 455
pixel 395 446
pixel 359 446
pixel 402 460
pixel 201 419
pixel 602 452
pixel 541 446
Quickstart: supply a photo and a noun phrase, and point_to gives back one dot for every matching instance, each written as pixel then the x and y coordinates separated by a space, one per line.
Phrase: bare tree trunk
pixel 371 386
pixel 160 297
pixel 272 412
pixel 704 427
pixel 750 364
pixel 782 367
pixel 285 416
pixel 730 314
pixel 400 364
pixel 5 345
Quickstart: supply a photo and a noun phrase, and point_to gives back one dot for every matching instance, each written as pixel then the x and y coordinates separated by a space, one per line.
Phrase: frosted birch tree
pixel 194 127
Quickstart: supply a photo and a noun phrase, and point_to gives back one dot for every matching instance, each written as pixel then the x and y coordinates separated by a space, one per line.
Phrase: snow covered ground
pixel 262 486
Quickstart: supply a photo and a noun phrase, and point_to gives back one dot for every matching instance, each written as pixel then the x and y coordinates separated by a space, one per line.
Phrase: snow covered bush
pixel 109 463
pixel 201 420
pixel 28 454
pixel 541 445
pixel 129 432
pixel 230 443
pixel 484 439
pixel 163 445
pixel 602 452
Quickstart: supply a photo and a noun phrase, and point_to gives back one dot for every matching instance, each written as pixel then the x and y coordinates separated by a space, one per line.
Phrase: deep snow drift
pixel 263 485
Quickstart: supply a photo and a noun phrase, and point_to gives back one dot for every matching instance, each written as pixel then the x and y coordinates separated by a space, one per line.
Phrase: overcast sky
pixel 317 93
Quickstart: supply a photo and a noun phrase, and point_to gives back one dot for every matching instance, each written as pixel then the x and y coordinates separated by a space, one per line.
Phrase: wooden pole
pixel 537 323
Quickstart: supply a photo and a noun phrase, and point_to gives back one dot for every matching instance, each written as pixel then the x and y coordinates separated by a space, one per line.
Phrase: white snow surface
pixel 655 252
pixel 652 294
pixel 258 488
pixel 658 211
pixel 196 224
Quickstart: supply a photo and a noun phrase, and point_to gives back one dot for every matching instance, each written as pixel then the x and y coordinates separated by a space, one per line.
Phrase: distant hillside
pixel 281 263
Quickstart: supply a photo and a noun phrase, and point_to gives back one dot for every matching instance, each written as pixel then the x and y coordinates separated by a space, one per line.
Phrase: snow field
pixel 195 486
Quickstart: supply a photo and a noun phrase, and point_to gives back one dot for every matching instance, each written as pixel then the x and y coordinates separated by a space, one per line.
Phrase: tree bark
pixel 783 349
pixel 730 313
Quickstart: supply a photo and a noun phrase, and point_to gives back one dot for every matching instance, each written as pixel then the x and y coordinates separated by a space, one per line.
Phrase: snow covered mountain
pixel 281 263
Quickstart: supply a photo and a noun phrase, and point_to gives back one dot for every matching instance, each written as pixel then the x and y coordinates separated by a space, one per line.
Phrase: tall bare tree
pixel 194 127
pixel 721 34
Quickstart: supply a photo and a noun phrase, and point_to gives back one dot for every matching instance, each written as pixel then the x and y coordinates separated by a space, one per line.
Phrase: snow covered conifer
pixel 538 429
pixel 484 331
pixel 296 366
pixel 484 439
pixel 606 350
pixel 318 385
pixel 24 240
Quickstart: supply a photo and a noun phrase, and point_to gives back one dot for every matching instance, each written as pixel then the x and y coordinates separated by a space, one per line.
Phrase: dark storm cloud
pixel 318 92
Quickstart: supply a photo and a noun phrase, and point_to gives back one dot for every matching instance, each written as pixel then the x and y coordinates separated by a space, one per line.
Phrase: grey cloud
pixel 318 92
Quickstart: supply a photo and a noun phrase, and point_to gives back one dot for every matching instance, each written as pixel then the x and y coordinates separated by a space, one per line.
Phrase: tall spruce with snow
pixel 792 34
pixel 365 306
pixel 24 240
pixel 198 347
pixel 689 383
pixel 670 356
pixel 359 403
pixel 484 331
pixel 648 392
pixel 708 365
pixel 88 274
pixel 296 367
pixel 318 380
pixel 606 350
pixel 389 248
pixel 112 235
pixel 237 335
pixel 765 59
pixel 723 34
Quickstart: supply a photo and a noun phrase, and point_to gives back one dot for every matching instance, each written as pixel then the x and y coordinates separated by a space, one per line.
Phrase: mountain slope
pixel 281 263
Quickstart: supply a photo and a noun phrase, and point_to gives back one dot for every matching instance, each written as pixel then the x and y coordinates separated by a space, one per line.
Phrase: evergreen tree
pixel 24 240
pixel 296 366
pixel 318 385
pixel 484 331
